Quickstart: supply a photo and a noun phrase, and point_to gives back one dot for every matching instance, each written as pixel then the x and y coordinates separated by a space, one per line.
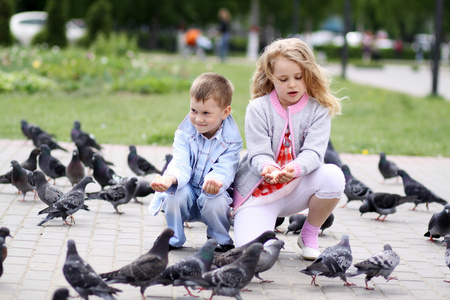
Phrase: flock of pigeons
pixel 223 273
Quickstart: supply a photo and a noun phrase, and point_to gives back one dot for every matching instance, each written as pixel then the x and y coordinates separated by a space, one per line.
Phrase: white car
pixel 24 26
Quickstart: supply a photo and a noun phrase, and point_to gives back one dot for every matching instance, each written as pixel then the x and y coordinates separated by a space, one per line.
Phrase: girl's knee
pixel 333 181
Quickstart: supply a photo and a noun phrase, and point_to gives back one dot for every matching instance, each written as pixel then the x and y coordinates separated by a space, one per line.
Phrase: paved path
pixel 33 268
pixel 399 78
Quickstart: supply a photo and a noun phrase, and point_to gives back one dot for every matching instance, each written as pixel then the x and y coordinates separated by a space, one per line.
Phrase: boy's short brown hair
pixel 213 85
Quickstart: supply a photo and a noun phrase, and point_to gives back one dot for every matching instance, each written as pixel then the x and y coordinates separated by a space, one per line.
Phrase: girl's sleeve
pixel 315 140
pixel 259 136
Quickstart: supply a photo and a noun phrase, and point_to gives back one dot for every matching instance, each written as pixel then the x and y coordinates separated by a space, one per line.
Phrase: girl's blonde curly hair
pixel 316 79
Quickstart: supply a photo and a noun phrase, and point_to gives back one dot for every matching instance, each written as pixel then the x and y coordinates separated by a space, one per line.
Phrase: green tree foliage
pixel 98 20
pixel 6 37
pixel 54 31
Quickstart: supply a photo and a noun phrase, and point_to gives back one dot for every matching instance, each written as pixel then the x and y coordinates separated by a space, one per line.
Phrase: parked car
pixel 24 26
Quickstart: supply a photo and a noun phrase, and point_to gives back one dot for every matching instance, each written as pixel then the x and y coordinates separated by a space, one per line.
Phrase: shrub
pixel 54 31
pixel 114 44
pixel 6 37
pixel 98 20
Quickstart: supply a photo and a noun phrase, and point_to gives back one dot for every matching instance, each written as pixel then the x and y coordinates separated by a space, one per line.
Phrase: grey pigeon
pixel 25 127
pixel 447 253
pixel 4 232
pixel 230 279
pixel 2 254
pixel 332 262
pixel 146 267
pixel 278 222
pixel 82 277
pixel 75 169
pixel 268 257
pixel 332 156
pixel 225 258
pixel 86 154
pixel 40 137
pixel 48 193
pixel 139 165
pixel 50 165
pixel 415 188
pixel 30 164
pixel 79 135
pixel 143 189
pixel 380 264
pixel 168 158
pixel 388 169
pixel 190 267
pixel 296 223
pixel 354 189
pixel 383 203
pixel 21 179
pixel 103 174
pixel 118 194
pixel 439 224
pixel 61 294
pixel 68 204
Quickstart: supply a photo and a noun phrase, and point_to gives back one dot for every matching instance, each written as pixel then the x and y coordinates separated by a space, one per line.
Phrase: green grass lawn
pixel 373 119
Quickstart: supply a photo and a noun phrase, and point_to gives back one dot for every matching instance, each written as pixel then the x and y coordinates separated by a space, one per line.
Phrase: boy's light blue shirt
pixel 218 159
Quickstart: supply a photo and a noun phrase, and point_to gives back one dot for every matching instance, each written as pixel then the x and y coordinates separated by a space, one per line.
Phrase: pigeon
pixel 145 268
pixel 383 203
pixel 2 254
pixel 380 264
pixel 41 137
pixel 387 168
pixel 21 179
pixel 30 164
pixel 225 258
pixel 25 127
pixel 230 279
pixel 61 294
pixel 103 174
pixel 68 204
pixel 268 257
pixel 168 158
pixel 50 165
pixel 332 262
pixel 296 223
pixel 79 135
pixel 75 169
pixel 143 189
pixel 4 232
pixel 139 165
pixel 118 194
pixel 447 253
pixel 332 156
pixel 439 224
pixel 87 153
pixel 278 222
pixel 327 224
pixel 354 189
pixel 82 277
pixel 414 188
pixel 48 193
pixel 190 267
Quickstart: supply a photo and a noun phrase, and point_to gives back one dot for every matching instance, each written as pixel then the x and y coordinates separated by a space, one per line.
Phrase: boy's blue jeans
pixel 191 205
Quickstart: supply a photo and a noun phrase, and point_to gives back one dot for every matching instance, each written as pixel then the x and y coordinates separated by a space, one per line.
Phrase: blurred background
pixel 118 66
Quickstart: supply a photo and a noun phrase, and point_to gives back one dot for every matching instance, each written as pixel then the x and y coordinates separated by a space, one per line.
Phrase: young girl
pixel 287 127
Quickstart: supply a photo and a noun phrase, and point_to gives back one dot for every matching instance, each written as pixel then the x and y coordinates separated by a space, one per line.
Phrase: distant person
pixel 287 128
pixel 224 30
pixel 207 146
pixel 196 42
pixel 398 48
pixel 366 42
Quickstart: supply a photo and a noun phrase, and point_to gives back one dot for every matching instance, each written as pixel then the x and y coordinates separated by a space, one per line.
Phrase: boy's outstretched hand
pixel 163 183
pixel 212 186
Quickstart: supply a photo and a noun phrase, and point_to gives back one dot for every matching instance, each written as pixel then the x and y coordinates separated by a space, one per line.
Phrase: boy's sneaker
pixel 224 248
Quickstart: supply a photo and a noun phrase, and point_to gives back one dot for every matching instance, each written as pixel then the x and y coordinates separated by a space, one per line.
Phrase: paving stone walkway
pixel 33 268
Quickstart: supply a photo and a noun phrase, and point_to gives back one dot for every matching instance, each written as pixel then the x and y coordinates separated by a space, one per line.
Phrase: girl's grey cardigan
pixel 266 122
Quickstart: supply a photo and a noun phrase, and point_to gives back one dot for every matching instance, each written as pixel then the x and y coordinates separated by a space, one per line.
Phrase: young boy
pixel 205 159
